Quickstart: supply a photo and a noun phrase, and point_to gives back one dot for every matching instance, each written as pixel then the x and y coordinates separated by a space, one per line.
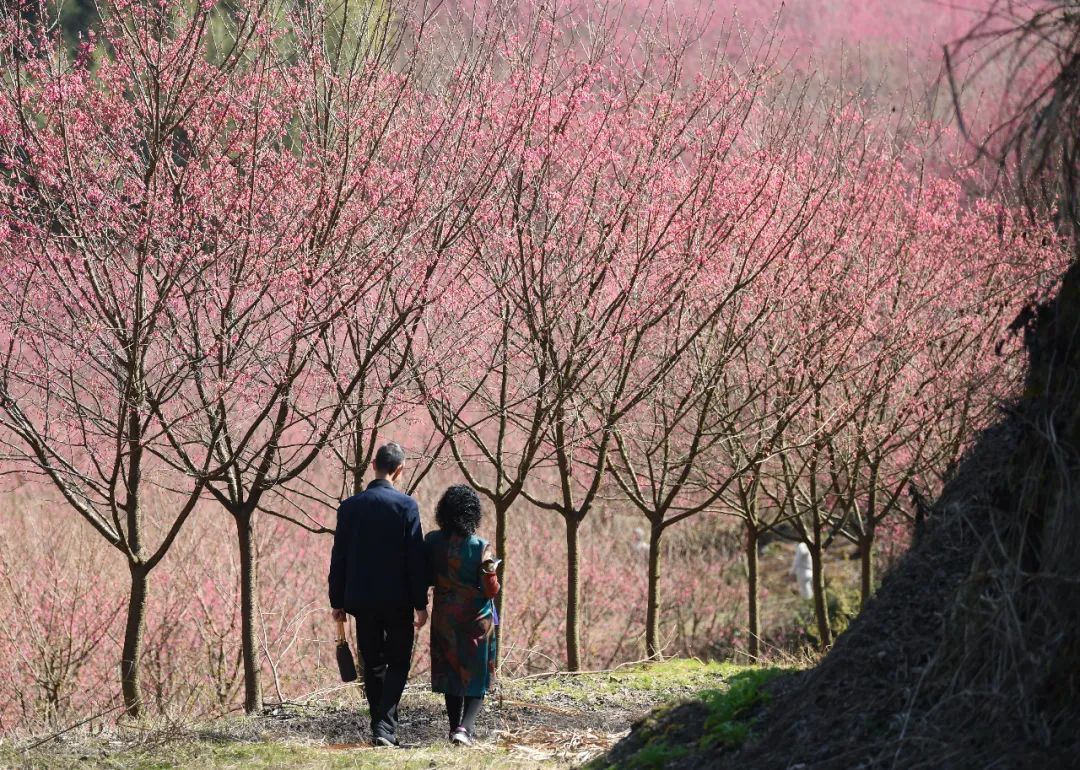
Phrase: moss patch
pixel 730 710
pixel 716 718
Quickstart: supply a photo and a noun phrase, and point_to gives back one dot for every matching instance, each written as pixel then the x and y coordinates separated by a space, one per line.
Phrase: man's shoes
pixel 383 741
pixel 459 736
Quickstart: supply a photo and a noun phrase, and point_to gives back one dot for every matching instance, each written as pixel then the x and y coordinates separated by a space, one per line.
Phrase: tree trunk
pixel 753 620
pixel 866 540
pixel 131 657
pixel 357 466
pixel 358 487
pixel 866 556
pixel 249 612
pixel 573 591
pixel 652 607
pixel 821 610
pixel 501 553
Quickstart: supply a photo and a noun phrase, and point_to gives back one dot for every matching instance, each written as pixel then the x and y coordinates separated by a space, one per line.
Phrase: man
pixel 378 574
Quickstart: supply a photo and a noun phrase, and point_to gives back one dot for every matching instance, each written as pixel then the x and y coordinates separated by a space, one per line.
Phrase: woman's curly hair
pixel 458 511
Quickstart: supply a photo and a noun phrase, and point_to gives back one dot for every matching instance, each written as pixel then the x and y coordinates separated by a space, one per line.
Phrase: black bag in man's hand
pixel 345 662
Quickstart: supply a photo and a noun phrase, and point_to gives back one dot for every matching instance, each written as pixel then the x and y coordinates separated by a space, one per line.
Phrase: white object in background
pixel 803 571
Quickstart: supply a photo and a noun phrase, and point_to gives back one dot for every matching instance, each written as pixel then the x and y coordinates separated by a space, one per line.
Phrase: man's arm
pixel 339 557
pixel 416 559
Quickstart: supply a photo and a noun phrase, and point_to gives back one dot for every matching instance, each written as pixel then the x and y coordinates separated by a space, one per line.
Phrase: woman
pixel 463 616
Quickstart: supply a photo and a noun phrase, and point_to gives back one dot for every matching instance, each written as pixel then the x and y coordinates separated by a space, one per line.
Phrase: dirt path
pixel 559 726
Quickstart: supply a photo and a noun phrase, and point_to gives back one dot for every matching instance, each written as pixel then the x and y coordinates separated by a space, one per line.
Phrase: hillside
pixel 909 684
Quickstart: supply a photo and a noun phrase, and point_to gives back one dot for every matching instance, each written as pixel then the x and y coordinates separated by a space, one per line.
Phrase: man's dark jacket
pixel 378 557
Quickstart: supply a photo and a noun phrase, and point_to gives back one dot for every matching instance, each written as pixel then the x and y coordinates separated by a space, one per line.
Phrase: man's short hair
pixel 389 457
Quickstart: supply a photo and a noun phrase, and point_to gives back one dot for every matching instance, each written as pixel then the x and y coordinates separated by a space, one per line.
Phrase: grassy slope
pixel 545 722
pixel 714 718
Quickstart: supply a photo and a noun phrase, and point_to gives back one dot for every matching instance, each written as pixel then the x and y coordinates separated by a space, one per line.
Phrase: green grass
pixel 655 756
pixel 670 678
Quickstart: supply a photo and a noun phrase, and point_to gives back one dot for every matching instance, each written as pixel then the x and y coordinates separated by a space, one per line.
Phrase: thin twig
pixel 69 728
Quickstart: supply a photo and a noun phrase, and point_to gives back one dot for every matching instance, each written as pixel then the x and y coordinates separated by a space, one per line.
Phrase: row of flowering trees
pixel 244 240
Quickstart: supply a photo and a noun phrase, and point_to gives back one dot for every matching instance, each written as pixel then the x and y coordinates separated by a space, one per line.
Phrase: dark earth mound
pixel 879 699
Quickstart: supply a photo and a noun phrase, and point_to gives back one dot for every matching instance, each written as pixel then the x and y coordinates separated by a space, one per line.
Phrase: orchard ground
pixel 538 722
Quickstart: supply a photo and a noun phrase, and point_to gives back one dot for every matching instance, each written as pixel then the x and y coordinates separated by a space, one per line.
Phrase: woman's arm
pixel 429 558
pixel 489 578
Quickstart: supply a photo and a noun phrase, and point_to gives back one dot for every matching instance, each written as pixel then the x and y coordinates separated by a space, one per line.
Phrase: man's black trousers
pixel 384 637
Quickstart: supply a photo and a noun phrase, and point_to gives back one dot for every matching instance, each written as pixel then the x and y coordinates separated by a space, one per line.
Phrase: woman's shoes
pixel 459 736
